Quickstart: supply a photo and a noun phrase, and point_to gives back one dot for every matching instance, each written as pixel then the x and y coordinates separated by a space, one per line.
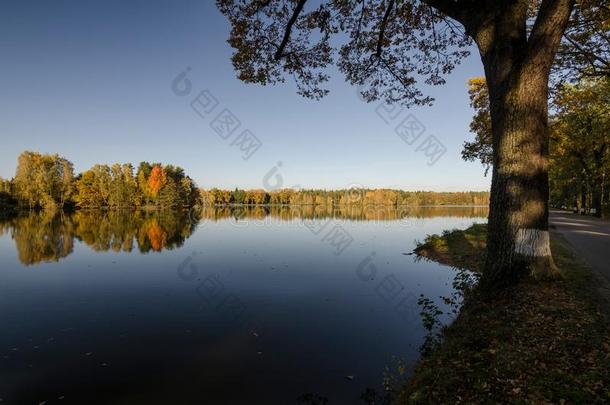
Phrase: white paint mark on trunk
pixel 533 243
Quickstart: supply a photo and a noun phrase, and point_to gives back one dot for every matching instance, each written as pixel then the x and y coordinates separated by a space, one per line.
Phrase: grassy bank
pixel 539 342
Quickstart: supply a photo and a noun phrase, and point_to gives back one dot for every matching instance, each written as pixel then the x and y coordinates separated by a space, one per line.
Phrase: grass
pixel 538 342
pixel 460 249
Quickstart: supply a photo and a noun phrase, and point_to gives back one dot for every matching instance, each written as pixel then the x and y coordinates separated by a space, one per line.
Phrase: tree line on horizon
pixel 342 197
pixel 48 181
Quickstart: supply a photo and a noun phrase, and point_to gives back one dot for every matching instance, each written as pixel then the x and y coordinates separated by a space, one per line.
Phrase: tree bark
pixel 596 198
pixel 518 239
pixel 583 197
pixel 598 185
pixel 517 69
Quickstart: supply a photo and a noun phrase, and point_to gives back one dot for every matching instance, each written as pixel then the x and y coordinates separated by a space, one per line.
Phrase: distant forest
pixel 330 198
pixel 44 181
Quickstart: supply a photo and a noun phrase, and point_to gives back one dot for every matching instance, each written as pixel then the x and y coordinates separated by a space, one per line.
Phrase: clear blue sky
pixel 91 80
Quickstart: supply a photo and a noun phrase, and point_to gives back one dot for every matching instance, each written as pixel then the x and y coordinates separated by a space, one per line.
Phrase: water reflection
pixel 349 212
pixel 254 307
pixel 44 237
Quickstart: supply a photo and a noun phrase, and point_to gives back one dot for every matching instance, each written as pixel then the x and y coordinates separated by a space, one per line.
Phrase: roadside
pixel 590 238
pixel 539 342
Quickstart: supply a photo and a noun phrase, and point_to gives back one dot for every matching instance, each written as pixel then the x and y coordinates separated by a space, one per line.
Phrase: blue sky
pixel 92 81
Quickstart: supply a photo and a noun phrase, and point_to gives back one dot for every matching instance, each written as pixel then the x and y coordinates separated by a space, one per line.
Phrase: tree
pixel 25 187
pixel 67 182
pixel 7 202
pixel 238 196
pixel 103 182
pixel 43 180
pixel 169 196
pixel 189 193
pixel 390 44
pixel 480 125
pixel 123 187
pixel 585 51
pixel 132 197
pixel 144 170
pixel 156 181
pixel 87 193
pixel 582 133
pixel 5 186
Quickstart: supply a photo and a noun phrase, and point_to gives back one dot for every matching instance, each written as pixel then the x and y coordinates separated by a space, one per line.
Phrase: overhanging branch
pixel 384 23
pixel 295 15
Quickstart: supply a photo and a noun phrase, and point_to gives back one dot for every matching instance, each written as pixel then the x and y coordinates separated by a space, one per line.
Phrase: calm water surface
pixel 251 307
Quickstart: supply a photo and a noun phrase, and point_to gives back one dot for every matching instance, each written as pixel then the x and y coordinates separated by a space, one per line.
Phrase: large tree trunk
pixel 518 239
pixel 517 68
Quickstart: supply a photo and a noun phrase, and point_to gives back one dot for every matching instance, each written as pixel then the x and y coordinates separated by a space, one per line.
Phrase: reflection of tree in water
pixel 43 237
pixel 47 237
pixel 156 236
pixel 351 212
pixel 40 237
pixel 120 230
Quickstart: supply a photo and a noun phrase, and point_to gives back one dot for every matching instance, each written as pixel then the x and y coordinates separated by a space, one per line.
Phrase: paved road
pixel 589 236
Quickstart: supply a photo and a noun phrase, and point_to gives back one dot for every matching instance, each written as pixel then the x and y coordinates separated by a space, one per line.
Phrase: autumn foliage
pixel 156 180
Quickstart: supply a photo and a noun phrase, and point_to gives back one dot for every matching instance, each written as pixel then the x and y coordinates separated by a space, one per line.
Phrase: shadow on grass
pixel 535 342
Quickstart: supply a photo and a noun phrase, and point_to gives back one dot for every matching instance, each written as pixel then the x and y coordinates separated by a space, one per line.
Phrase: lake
pixel 247 306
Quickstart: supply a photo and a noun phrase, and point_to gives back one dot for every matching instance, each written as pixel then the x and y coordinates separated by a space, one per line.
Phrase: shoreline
pixel 539 341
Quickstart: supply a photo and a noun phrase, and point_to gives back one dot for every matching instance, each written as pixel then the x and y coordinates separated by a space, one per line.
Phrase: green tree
pixel 238 196
pixel 480 125
pixel 144 170
pixel 169 196
pixel 43 180
pixel 581 139
pixel 123 186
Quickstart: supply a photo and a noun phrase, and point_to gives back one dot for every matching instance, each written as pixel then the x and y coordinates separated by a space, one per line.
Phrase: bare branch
pixel 384 23
pixel 357 36
pixel 295 15
pixel 590 56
